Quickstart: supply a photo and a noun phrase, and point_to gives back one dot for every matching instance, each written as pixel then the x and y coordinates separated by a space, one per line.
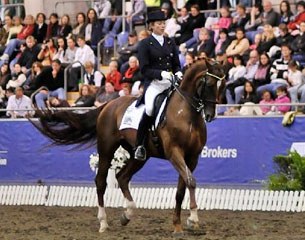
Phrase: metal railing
pixel 66 74
pixel 18 8
pixel 99 53
pixel 37 91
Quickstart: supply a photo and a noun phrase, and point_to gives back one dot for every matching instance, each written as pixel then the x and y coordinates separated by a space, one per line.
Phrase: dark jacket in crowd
pixel 46 79
pixel 40 34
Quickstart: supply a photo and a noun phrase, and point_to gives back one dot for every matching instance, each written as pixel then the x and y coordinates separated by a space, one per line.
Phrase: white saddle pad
pixel 132 116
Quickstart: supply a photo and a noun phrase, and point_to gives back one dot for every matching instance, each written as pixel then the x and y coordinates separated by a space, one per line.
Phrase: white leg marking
pixel 130 205
pixel 102 217
pixel 194 215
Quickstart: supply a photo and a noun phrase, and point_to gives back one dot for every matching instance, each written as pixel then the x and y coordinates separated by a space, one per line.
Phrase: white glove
pixel 179 75
pixel 168 76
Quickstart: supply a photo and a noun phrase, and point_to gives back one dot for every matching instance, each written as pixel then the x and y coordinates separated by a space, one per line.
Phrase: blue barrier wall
pixel 238 151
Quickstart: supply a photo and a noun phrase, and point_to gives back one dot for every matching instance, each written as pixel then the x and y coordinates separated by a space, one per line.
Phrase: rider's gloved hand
pixel 168 76
pixel 179 76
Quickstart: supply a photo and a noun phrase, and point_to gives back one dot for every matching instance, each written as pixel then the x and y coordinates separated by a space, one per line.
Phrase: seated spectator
pixel 92 77
pixel 278 72
pixel 133 73
pixel 295 80
pixel 235 73
pixel 14 30
pixel 51 78
pixel 19 105
pixel 5 75
pixel 64 28
pixel 53 27
pixel 249 100
pixel 83 54
pixel 102 8
pixel 251 69
pixel 284 38
pixel 286 15
pixel 239 20
pixel 80 26
pixel 195 20
pixel 268 16
pixel 300 17
pixel 222 59
pixel 93 30
pixel 262 76
pixel 4 32
pixel 40 30
pixel 172 24
pixel 267 40
pixel 298 45
pixel 26 31
pixel 55 102
pixel 30 84
pixel 86 98
pixel 224 22
pixel 105 94
pixel 126 91
pixel 223 42
pixel 282 97
pixel 205 44
pixel 127 50
pixel 66 55
pixel 29 55
pixel 18 77
pixel 266 99
pixel 255 17
pixel 4 99
pixel 189 60
pixel 47 52
pixel 238 46
pixel 256 43
pixel 114 76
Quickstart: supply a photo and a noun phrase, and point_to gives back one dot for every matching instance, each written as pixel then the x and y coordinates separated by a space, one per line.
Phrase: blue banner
pixel 238 151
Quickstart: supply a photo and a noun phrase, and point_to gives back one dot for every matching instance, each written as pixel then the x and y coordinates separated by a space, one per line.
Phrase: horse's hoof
pixel 192 225
pixel 124 220
pixel 104 226
pixel 178 235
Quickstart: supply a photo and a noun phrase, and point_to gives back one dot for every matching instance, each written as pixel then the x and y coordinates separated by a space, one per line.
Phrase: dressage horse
pixel 182 136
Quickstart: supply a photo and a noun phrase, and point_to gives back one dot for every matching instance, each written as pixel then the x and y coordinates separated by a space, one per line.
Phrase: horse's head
pixel 205 81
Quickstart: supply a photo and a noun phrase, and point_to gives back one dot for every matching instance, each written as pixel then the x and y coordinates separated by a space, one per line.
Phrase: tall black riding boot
pixel 140 152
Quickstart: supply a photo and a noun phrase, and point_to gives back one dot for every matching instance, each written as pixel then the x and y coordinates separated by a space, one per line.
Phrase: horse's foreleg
pixel 178 162
pixel 101 184
pixel 179 199
pixel 124 177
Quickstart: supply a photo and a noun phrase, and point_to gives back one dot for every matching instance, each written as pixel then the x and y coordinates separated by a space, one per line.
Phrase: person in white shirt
pixel 19 105
pixel 295 79
pixel 92 77
pixel 83 54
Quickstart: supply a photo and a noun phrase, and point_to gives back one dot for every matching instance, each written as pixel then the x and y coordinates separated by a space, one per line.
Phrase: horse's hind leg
pixel 124 177
pixel 101 184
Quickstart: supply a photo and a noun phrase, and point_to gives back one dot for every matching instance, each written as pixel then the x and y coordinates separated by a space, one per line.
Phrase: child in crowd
pixel 282 97
pixel 266 99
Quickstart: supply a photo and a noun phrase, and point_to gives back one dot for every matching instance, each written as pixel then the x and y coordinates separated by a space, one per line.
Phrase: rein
pixel 197 103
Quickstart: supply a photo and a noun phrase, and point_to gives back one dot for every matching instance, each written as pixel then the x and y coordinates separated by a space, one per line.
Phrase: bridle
pixel 199 102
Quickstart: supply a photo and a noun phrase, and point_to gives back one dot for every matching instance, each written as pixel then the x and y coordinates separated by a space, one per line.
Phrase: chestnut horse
pixel 182 136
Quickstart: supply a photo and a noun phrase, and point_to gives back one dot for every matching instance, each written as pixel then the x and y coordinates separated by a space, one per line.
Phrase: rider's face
pixel 158 27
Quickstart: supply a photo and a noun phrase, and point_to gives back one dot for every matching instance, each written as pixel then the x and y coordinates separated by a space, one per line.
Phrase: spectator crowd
pixel 261 48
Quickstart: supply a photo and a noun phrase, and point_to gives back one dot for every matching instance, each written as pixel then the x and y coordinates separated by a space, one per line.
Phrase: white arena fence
pixel 154 198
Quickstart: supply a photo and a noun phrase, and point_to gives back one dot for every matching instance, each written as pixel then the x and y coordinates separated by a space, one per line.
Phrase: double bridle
pixel 198 102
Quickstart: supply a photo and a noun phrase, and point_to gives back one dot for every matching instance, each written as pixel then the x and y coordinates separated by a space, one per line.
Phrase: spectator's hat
pixel 156 16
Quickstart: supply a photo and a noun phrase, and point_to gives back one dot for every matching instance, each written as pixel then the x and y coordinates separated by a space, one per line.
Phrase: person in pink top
pixel 224 22
pixel 282 97
pixel 266 99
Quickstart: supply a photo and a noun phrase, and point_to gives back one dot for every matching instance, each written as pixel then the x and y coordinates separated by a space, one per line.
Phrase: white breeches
pixel 152 91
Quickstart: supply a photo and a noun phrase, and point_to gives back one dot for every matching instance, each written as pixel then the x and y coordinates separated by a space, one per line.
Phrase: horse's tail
pixel 68 127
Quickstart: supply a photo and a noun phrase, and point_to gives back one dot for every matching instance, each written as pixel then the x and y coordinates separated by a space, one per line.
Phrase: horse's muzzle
pixel 209 118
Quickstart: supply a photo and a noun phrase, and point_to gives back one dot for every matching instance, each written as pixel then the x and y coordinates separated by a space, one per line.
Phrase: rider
pixel 159 61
